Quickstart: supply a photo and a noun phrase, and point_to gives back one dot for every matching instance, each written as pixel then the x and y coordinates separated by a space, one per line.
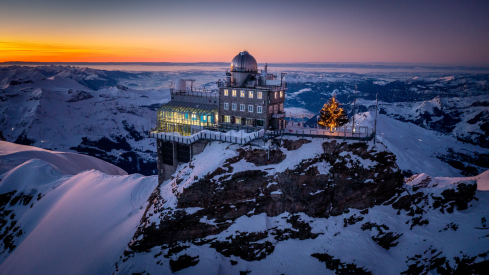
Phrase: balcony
pixel 280 114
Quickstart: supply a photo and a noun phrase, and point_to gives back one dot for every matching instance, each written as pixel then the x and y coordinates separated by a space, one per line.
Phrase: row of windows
pixel 243 120
pixel 251 94
pixel 234 107
pixel 242 93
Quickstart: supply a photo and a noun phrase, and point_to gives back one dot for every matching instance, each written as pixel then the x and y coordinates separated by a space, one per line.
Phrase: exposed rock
pixel 387 240
pixel 352 220
pixel 260 157
pixel 245 246
pixel 183 262
pixel 459 198
pixel 82 95
pixel 338 266
pixel 300 189
pixel 291 145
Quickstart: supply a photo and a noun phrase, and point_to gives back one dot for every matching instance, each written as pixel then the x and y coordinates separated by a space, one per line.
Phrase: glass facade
pixel 185 118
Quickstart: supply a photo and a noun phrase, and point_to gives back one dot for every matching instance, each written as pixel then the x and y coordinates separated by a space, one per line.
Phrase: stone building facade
pixel 252 99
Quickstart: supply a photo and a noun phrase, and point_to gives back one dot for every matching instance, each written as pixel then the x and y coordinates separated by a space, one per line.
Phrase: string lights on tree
pixel 331 115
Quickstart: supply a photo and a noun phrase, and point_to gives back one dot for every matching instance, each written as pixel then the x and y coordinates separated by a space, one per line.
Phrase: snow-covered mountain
pixel 107 114
pixel 315 207
pixel 63 113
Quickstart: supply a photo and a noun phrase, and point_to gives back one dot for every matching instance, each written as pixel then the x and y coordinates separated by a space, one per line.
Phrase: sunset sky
pixel 438 32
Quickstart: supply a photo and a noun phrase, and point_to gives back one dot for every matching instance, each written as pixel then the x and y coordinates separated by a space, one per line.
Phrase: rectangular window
pixel 259 122
pixel 242 107
pixel 249 121
pixel 194 117
pixel 275 95
pixel 281 94
pixel 227 119
pixel 281 107
pixel 270 109
pixel 186 116
pixel 242 94
pixel 258 95
pixel 250 108
pixel 250 94
pixel 238 120
pixel 258 109
pixel 234 106
pixel 226 92
pixel 234 93
pixel 275 108
pixel 226 106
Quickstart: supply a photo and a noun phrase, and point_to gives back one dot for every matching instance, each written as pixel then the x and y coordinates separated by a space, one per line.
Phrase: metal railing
pixel 208 135
pixel 195 92
pixel 359 133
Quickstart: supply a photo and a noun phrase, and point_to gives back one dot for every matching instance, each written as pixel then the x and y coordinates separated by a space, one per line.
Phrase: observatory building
pixel 252 98
pixel 245 100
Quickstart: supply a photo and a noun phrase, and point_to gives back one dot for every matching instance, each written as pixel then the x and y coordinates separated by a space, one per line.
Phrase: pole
pixel 354 100
pixel 376 107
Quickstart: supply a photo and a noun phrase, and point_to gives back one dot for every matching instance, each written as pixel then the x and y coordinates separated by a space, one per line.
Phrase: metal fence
pixel 208 135
pixel 359 133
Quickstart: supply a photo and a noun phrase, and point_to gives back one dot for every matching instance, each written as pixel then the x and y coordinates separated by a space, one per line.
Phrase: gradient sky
pixel 437 32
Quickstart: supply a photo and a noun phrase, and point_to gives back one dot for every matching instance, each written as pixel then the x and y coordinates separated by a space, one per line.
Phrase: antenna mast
pixel 375 122
pixel 354 100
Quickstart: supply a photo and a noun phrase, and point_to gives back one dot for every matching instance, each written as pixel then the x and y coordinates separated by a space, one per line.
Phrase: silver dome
pixel 244 62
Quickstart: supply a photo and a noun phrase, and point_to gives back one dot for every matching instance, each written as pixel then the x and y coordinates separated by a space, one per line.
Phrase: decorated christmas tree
pixel 331 115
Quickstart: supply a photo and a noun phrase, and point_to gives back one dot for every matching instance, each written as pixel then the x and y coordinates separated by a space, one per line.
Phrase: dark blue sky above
pixel 440 32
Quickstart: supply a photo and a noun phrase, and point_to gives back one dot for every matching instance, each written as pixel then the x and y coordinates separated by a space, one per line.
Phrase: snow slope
pixel 12 155
pixel 59 223
pixel 418 149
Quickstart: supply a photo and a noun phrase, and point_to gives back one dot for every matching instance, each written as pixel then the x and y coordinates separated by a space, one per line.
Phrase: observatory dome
pixel 244 62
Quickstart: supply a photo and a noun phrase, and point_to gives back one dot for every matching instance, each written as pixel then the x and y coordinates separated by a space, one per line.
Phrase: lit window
pixel 258 95
pixel 242 107
pixel 250 94
pixel 238 120
pixel 234 93
pixel 250 108
pixel 227 119
pixel 203 118
pixel 234 106
pixel 275 94
pixel 259 122
pixel 249 121
pixel 194 117
pixel 226 106
pixel 226 92
pixel 258 109
pixel 186 116
pixel 242 94
pixel 281 94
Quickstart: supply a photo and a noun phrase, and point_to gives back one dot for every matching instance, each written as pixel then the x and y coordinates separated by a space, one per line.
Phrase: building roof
pixel 189 107
pixel 244 62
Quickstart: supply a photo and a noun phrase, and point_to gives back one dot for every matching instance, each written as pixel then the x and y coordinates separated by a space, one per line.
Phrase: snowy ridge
pixel 12 155
pixel 80 222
